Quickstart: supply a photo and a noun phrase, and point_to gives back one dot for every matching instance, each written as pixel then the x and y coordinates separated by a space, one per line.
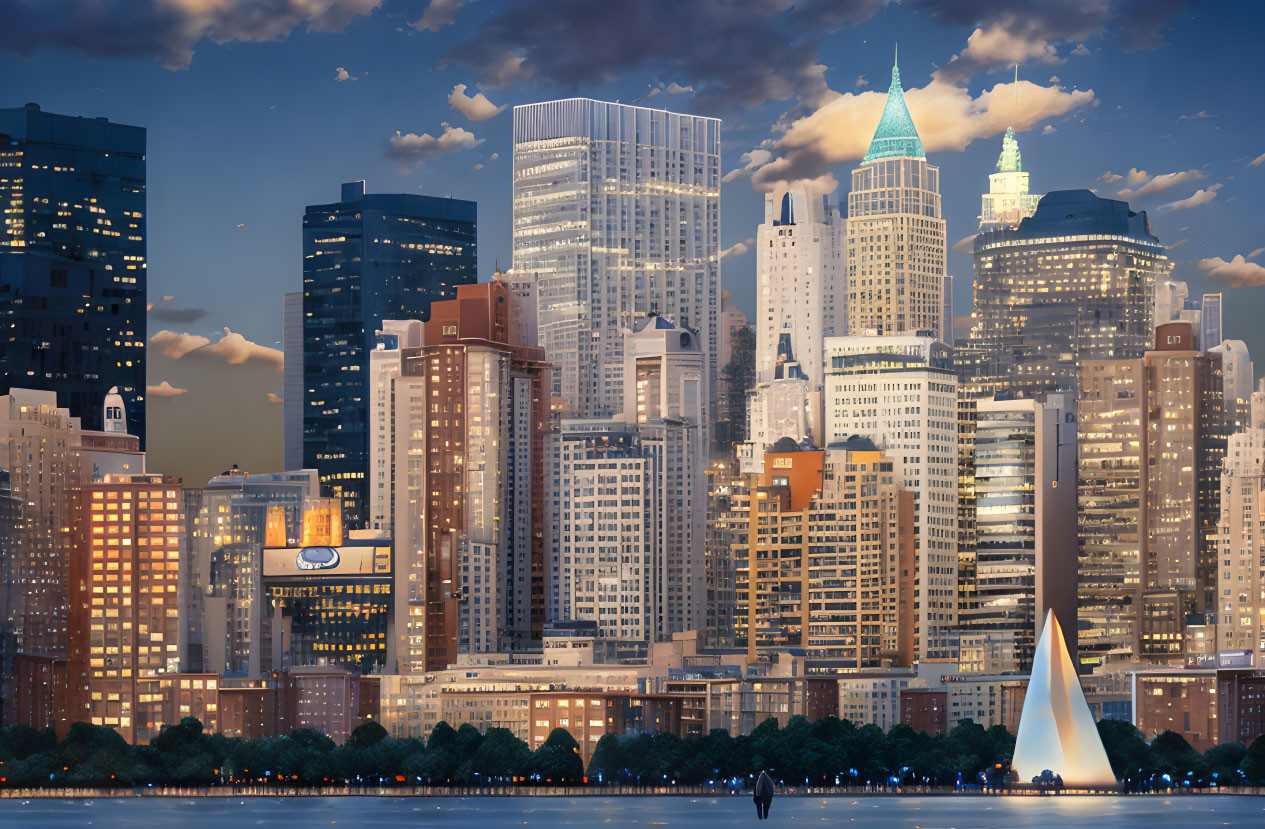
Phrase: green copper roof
pixel 1009 161
pixel 896 136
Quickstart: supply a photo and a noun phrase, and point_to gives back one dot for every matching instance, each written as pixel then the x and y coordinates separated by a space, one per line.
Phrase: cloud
pixel 750 161
pixel 1258 161
pixel 1203 113
pixel 165 30
pixel 164 389
pixel 1053 79
pixel 275 398
pixel 1176 245
pixel 494 156
pixel 1256 253
pixel 476 108
pixel 1080 51
pixel 438 14
pixel 232 348
pixel 736 249
pixel 675 88
pixel 478 166
pixel 1049 129
pixel 966 243
pixel 176 345
pixel 947 118
pixel 341 74
pixel 163 312
pixel 752 53
pixel 413 148
pixel 1237 273
pixel 1201 196
pixel 861 82
pixel 1110 177
pixel 1001 44
pixel 1161 183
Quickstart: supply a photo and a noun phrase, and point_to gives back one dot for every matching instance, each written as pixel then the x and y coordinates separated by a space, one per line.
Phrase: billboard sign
pixel 322 561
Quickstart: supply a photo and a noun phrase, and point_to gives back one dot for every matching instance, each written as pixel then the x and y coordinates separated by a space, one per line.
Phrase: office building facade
pixel 617 212
pixel 73 261
pixel 1074 281
pixel 367 258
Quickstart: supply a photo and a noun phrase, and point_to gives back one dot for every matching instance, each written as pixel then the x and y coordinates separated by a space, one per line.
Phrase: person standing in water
pixel 763 795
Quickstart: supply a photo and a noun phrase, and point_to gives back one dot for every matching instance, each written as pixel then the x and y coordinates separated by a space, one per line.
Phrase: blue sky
pixel 248 122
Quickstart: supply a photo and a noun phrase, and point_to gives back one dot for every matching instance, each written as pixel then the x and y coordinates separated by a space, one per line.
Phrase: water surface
pixel 952 812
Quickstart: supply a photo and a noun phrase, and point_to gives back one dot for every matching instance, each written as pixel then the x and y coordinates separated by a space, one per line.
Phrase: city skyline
pixel 227 254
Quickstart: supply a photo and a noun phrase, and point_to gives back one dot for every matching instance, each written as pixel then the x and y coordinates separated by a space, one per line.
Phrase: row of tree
pixel 828 752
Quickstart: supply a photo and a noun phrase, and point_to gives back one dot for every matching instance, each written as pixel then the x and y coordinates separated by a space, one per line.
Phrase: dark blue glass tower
pixel 72 261
pixel 366 259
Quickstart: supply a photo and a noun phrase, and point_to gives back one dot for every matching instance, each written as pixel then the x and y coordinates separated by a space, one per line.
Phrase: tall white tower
pixel 1007 201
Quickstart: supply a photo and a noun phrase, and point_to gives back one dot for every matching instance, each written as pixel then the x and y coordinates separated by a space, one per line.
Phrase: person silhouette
pixel 763 795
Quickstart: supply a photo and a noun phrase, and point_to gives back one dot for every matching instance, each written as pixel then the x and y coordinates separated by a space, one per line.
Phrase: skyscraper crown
pixel 896 136
pixel 1009 160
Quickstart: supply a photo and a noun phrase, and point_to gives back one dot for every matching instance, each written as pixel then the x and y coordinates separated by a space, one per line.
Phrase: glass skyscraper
pixel 72 261
pixel 1074 281
pixel 367 258
pixel 617 212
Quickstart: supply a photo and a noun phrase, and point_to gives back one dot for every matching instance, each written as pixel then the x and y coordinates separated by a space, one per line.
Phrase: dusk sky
pixel 256 109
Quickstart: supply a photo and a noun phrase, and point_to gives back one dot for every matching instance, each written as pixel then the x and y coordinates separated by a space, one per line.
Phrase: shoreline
pixel 89 793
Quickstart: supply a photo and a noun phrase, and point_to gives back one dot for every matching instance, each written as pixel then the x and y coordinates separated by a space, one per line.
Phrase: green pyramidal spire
pixel 1009 161
pixel 896 136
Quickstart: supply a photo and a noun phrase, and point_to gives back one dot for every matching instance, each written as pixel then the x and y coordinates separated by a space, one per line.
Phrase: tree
pixel 558 759
pixel 502 756
pixel 1126 748
pixel 1253 764
pixel 368 733
pixel 607 762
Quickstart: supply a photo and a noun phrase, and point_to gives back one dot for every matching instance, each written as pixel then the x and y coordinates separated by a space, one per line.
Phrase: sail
pixel 1056 730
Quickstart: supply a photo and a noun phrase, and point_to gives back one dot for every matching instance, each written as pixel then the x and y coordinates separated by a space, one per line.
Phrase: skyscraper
pixel 1007 201
pixel 458 459
pixel 124 596
pixel 72 261
pixel 617 210
pixel 1238 381
pixel 1210 331
pixel 1241 548
pixel 895 233
pixel 900 391
pixel 367 258
pixel 1074 281
pixel 1150 452
pixel 292 380
pixel 800 290
pixel 1025 531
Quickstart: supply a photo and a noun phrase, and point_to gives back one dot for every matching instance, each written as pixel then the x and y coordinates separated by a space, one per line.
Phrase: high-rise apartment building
pixel 125 597
pixel 895 233
pixel 900 391
pixel 1172 304
pixel 367 258
pixel 460 427
pixel 1150 453
pixel 1007 201
pixel 228 627
pixel 1025 527
pixel 617 212
pixel 1240 596
pixel 72 261
pixel 825 560
pixel 628 516
pixel 1075 281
